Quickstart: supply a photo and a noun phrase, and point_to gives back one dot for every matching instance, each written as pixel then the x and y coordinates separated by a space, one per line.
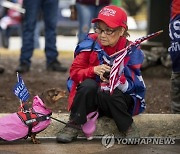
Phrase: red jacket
pixel 83 65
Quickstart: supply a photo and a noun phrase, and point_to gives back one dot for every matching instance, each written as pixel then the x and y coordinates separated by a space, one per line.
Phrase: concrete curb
pixel 149 125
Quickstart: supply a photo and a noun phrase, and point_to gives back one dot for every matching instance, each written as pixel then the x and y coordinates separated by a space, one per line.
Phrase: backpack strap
pixel 93 44
pixel 87 45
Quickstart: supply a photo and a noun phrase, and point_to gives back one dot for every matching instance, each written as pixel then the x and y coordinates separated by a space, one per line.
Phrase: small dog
pixel 30 121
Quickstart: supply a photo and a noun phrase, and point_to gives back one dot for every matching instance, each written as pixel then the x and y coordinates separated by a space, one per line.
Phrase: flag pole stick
pixel 19 99
pixel 147 38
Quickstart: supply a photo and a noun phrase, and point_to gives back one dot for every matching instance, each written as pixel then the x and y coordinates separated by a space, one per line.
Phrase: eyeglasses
pixel 107 31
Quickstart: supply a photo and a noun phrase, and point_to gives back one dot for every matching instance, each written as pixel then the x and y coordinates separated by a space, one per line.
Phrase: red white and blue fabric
pixel 126 75
pixel 118 63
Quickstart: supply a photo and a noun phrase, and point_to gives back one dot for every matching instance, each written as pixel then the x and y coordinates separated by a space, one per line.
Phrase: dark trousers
pixel 33 8
pixel 90 98
pixel 175 92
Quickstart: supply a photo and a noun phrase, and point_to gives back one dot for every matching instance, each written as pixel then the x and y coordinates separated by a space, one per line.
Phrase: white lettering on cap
pixel 108 12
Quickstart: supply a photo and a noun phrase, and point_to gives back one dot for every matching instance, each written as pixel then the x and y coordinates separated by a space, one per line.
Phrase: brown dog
pixel 30 121
pixel 50 98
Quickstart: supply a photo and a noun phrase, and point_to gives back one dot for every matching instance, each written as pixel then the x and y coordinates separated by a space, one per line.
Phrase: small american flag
pixel 118 63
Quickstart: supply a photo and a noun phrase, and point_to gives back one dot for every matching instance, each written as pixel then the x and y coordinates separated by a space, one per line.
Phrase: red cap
pixel 113 16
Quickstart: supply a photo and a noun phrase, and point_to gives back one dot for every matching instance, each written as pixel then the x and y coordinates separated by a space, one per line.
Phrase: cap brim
pixel 110 24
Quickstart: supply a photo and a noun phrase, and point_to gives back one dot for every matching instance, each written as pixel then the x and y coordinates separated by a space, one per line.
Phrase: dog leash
pixel 65 123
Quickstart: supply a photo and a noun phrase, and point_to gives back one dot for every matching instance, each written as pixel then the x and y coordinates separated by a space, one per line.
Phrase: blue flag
pixel 20 89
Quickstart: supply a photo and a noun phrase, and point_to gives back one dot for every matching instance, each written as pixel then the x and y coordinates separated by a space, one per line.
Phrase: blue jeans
pixel 37 33
pixel 85 14
pixel 6 33
pixel 49 9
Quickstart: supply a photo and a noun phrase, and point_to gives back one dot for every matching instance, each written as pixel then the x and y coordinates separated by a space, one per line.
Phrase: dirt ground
pixel 157 80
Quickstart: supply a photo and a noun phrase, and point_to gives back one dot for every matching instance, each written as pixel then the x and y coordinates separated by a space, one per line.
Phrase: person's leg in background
pixel 96 10
pixel 50 10
pixel 37 33
pixel 85 14
pixel 175 92
pixel 32 8
pixel 174 50
pixel 5 36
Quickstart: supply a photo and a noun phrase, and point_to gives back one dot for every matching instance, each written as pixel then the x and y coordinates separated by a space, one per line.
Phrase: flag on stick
pixel 137 42
pixel 117 66
pixel 20 89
